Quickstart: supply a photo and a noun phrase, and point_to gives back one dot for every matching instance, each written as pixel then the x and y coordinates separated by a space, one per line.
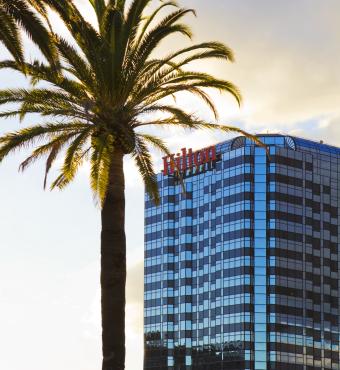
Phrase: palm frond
pixel 10 35
pixel 152 95
pixel 99 7
pixel 154 38
pixel 111 26
pixel 81 68
pixel 39 6
pixel 36 96
pixel 51 149
pixel 134 18
pixel 86 37
pixel 161 146
pixel 191 122
pixel 102 149
pixel 38 71
pixel 215 46
pixel 73 157
pixel 139 52
pixel 50 159
pixel 29 136
pixel 151 17
pixel 43 150
pixel 176 113
pixel 156 142
pixel 20 11
pixel 201 51
pixel 143 160
pixel 119 4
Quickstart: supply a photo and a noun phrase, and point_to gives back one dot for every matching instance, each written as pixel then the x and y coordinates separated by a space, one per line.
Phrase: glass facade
pixel 242 270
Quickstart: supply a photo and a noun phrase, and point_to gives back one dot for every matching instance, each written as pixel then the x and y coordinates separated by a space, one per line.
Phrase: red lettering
pixel 195 159
pixel 210 154
pixel 188 159
pixel 178 163
pixel 172 163
pixel 199 158
pixel 165 164
pixel 203 157
pixel 184 159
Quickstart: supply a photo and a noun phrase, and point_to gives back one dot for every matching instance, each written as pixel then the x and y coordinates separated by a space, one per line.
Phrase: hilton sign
pixel 187 160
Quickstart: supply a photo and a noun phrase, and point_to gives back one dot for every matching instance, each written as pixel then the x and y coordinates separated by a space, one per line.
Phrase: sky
pixel 287 68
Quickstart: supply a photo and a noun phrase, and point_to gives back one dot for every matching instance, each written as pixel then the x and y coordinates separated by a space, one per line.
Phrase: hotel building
pixel 242 270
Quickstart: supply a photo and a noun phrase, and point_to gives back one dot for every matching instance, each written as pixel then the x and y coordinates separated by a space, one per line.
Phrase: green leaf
pixel 10 35
pixel 34 28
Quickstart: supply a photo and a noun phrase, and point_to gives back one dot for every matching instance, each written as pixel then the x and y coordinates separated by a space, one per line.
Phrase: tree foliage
pixel 104 85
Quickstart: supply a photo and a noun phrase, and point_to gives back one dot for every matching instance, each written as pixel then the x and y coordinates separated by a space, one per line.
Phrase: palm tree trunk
pixel 113 268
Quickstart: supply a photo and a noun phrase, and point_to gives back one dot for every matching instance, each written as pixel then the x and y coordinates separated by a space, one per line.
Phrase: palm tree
pixel 98 90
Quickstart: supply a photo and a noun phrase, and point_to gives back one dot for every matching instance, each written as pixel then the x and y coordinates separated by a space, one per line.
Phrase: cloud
pixel 330 131
pixel 326 129
pixel 287 59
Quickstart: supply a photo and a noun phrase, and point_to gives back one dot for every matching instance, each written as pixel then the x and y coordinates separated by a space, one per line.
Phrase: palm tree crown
pixel 103 84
